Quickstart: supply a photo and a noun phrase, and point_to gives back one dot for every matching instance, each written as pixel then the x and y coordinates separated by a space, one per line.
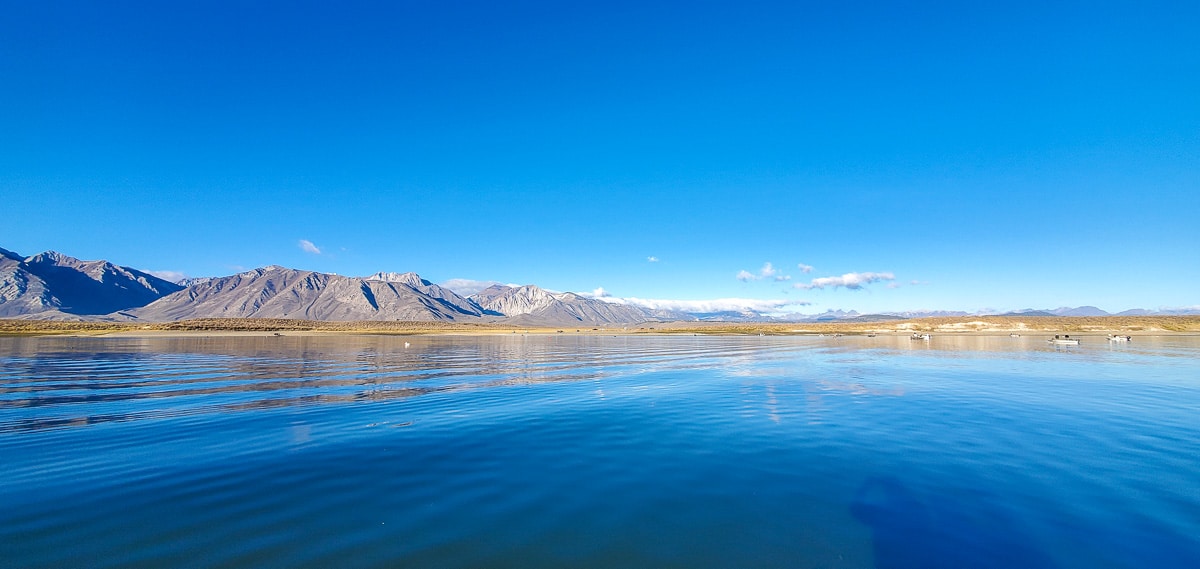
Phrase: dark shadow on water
pixel 911 534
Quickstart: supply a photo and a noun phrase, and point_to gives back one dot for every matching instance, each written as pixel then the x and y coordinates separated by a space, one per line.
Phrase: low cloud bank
pixel 467 287
pixel 852 281
pixel 713 305
pixel 172 276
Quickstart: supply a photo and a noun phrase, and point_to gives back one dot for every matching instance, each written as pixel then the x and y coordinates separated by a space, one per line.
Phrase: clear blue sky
pixel 984 156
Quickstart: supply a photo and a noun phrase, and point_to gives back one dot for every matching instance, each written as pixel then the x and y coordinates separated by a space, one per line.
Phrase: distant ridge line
pixel 55 286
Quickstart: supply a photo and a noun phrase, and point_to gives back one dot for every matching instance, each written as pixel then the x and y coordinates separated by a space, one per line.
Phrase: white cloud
pixel 172 276
pixel 308 247
pixel 598 293
pixel 768 270
pixel 467 287
pixel 652 259
pixel 713 305
pixel 805 268
pixel 781 278
pixel 853 281
pixel 893 285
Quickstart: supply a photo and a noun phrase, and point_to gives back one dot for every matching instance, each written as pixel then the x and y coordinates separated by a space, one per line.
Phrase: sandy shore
pixel 989 325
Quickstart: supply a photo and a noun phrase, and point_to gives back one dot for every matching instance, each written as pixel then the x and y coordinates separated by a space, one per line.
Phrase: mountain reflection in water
pixel 598 451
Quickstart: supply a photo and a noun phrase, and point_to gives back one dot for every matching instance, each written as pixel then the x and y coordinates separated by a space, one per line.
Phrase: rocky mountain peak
pixel 513 301
pixel 409 278
pixel 51 258
pixel 57 284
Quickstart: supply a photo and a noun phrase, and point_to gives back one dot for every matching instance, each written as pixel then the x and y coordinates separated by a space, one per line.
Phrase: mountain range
pixel 51 285
pixel 55 286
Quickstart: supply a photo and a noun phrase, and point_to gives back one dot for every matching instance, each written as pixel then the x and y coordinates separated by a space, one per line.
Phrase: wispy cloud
pixel 172 276
pixel 805 268
pixel 467 287
pixel 767 271
pixel 713 305
pixel 781 278
pixel 308 247
pixel 651 259
pixel 853 281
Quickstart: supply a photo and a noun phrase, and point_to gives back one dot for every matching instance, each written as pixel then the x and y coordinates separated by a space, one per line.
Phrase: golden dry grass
pixel 955 325
pixel 231 325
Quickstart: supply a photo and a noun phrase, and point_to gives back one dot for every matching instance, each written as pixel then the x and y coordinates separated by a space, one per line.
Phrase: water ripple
pixel 598 452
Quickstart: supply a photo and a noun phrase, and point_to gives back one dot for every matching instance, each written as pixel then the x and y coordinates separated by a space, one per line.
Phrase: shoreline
pixel 1083 326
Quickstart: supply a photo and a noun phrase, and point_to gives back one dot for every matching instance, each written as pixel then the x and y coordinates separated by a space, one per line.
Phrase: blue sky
pixel 969 156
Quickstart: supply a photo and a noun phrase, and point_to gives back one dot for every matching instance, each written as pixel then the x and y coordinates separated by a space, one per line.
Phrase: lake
pixel 576 450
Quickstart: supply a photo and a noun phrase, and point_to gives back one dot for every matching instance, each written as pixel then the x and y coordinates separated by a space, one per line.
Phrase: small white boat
pixel 1112 338
pixel 917 336
pixel 1065 340
pixel 1014 335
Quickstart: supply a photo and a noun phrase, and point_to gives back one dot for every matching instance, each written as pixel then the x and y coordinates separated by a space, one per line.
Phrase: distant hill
pixel 725 316
pixel 1078 311
pixel 279 292
pixel 1063 311
pixel 1179 311
pixel 451 299
pixel 1192 311
pixel 927 314
pixel 1028 312
pixel 830 315
pixel 534 306
pixel 53 285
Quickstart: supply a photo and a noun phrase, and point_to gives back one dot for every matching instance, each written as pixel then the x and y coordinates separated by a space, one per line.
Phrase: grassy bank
pixel 957 325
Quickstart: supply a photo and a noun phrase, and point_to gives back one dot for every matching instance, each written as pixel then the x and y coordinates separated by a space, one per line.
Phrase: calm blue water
pixel 599 452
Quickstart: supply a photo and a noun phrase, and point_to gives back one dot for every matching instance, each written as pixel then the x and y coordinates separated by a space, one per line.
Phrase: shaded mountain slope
pixel 450 299
pixel 531 305
pixel 278 292
pixel 51 284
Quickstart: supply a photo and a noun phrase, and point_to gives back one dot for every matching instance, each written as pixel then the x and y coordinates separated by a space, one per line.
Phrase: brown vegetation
pixel 236 325
pixel 955 325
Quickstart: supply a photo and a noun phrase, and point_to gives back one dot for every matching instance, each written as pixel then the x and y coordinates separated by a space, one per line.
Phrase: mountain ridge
pixel 52 285
pixel 56 285
pixel 280 292
pixel 533 305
